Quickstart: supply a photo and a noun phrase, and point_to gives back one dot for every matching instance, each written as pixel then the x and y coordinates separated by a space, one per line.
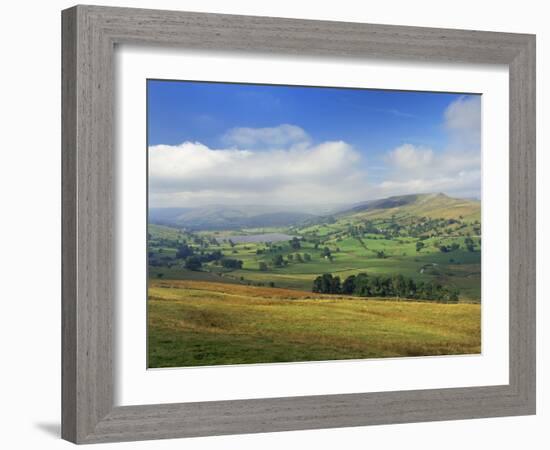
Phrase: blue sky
pixel 369 143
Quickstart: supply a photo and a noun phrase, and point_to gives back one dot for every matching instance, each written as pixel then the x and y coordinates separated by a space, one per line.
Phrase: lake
pixel 266 237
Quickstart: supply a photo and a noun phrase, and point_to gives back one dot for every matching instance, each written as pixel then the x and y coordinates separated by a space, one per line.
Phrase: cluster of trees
pixel 280 261
pixel 417 227
pixel 159 260
pixel 364 285
pixel 295 243
pixel 424 227
pixel 230 263
pixel 449 248
pixel 194 260
pixel 186 251
pixel 270 248
pixel 469 243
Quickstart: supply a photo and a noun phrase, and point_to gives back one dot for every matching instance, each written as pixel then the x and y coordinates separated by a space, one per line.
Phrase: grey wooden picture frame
pixel 89 37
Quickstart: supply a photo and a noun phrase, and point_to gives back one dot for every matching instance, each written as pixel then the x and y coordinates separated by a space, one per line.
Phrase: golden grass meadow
pixel 195 323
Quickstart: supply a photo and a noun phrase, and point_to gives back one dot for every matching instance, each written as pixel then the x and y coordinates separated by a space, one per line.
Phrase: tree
pixel 263 266
pixel 193 263
pixel 230 263
pixel 335 285
pixel 362 285
pixel 453 295
pixel 348 286
pixel 399 286
pixel 295 243
pixel 278 261
pixel 216 255
pixel 326 253
pixel 411 288
pixel 317 284
pixel 327 284
pixel 419 245
pixel 298 258
pixel 184 251
pixel 307 257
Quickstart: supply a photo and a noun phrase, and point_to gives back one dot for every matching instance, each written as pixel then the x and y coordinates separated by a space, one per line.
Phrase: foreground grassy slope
pixel 194 323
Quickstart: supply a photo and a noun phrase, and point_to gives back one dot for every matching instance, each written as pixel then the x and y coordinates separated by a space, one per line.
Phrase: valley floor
pixel 197 323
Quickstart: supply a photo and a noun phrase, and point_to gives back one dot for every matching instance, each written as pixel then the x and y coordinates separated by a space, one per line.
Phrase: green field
pixel 214 299
pixel 196 323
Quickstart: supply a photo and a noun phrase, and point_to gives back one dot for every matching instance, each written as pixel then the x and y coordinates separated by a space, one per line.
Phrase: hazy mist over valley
pixel 234 217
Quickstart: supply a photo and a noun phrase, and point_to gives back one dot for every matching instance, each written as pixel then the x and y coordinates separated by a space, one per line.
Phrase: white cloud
pixel 192 174
pixel 409 157
pixel 271 137
pixel 280 166
pixel 419 169
pixel 413 161
pixel 455 170
pixel 463 121
pixel 464 113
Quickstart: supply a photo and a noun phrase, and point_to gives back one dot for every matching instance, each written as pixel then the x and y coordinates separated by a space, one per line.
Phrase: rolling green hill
pixel 227 217
pixel 434 206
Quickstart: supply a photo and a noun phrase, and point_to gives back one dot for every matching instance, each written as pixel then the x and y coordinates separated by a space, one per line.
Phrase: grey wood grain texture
pixel 89 36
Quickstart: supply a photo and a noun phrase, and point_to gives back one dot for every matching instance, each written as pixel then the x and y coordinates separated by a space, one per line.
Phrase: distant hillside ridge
pixel 225 218
pixel 435 205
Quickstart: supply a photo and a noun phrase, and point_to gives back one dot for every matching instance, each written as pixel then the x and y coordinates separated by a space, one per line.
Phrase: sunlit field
pixel 195 323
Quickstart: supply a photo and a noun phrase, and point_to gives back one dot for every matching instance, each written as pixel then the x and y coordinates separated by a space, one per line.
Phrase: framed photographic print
pixel 279 224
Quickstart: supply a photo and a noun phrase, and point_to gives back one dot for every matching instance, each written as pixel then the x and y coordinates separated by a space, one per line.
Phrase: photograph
pixel 309 223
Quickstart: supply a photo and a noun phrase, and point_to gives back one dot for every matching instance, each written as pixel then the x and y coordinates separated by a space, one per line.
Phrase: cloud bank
pixel 192 173
pixel 281 166
pixel 463 122
pixel 456 170
pixel 416 169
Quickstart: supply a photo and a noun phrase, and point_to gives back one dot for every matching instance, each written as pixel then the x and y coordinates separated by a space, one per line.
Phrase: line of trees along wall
pixel 363 285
